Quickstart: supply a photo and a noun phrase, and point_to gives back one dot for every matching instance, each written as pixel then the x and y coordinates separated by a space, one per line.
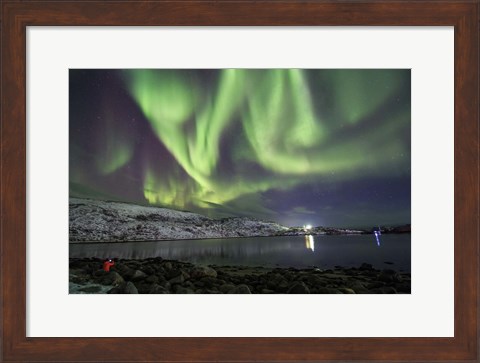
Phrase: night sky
pixel 321 147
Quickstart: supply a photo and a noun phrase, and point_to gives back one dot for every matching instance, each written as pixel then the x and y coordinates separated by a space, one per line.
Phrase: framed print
pixel 258 181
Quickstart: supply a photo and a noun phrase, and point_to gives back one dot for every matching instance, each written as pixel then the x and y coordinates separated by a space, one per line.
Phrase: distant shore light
pixel 308 227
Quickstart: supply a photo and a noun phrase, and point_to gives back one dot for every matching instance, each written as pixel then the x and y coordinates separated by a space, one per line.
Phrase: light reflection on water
pixel 310 242
pixel 293 251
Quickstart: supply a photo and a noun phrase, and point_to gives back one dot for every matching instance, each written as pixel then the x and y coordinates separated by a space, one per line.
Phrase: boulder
pixel 176 272
pixel 177 279
pixel 388 290
pixel 130 288
pixel 138 275
pixel 404 288
pixel 123 270
pixel 90 289
pixel 358 287
pixel 202 271
pixel 99 273
pixel 298 288
pixel 120 289
pixel 314 280
pixel 389 276
pixel 274 281
pixel 157 289
pixel 110 278
pixel 375 285
pixel 366 267
pixel 152 279
pixel 346 290
pixel 208 282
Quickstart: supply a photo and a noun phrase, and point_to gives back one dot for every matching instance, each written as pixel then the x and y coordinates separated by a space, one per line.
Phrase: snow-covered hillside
pixel 100 221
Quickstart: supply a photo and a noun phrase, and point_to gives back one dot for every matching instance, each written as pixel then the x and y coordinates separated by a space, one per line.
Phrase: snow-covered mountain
pixel 101 221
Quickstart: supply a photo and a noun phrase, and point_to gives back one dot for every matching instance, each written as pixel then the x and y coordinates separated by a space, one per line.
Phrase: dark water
pixel 296 251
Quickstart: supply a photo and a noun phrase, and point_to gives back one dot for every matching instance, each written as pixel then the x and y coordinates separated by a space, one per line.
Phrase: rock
pixel 152 279
pixel 389 276
pixel 371 273
pixel 143 287
pixel 110 278
pixel 124 270
pixel 225 288
pixel 120 289
pixel 183 290
pixel 138 275
pixel 157 289
pixel 388 290
pixel 209 281
pixel 189 284
pixel 282 287
pixel 385 278
pixel 375 285
pixel 404 288
pixel 130 288
pixel 315 280
pixel 276 281
pixel 80 280
pixel 177 272
pixel 397 278
pixel 177 279
pixel 388 272
pixel 346 290
pixel 366 267
pixel 202 271
pixel 99 273
pixel 168 265
pixel 161 279
pixel 149 270
pixel 166 285
pixel 90 289
pixel 298 288
pixel 240 289
pixel 360 289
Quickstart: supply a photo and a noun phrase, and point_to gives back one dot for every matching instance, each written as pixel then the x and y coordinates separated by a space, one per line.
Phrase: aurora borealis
pixel 322 147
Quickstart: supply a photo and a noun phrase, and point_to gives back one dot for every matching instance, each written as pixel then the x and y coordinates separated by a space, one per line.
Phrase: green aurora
pixel 235 136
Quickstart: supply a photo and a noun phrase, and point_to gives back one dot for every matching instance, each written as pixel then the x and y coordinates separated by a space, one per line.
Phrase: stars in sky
pixel 271 144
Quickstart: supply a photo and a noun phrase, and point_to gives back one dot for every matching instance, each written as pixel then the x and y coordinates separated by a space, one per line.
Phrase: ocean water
pixel 389 251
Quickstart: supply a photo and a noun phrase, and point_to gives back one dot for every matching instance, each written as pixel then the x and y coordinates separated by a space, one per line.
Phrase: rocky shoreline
pixel 159 276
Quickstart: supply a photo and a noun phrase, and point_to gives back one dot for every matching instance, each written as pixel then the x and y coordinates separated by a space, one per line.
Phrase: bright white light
pixel 310 243
pixel 308 226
